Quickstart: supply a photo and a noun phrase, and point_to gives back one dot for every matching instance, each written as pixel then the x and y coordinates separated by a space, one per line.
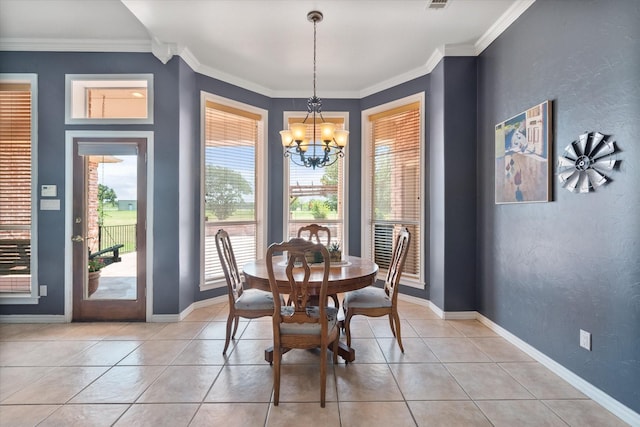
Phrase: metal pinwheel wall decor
pixel 587 162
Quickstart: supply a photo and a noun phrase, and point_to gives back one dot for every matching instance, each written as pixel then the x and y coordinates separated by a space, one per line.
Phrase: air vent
pixel 437 4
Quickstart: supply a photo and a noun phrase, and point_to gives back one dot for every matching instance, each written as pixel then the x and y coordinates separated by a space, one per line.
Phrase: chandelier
pixel 311 152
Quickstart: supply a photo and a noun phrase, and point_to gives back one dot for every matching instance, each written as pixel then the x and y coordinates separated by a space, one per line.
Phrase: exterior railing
pixel 112 235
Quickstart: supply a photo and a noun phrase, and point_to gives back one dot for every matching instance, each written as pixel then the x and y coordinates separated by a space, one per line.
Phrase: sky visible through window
pixel 120 177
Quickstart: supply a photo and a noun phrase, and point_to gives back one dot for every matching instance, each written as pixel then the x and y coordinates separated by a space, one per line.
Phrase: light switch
pixel 49 190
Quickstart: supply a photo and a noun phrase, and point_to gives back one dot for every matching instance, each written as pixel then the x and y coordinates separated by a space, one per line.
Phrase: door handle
pixel 77 238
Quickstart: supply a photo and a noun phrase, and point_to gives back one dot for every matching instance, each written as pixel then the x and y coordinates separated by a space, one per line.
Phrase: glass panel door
pixel 108 230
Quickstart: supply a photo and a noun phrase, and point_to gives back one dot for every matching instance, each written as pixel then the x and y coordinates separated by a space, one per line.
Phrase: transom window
pixel 109 99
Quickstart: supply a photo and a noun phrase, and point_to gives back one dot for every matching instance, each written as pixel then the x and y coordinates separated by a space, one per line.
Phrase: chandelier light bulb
pixel 341 137
pixel 299 131
pixel 326 132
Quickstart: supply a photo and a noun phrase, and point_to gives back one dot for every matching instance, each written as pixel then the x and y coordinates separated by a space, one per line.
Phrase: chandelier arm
pixel 330 155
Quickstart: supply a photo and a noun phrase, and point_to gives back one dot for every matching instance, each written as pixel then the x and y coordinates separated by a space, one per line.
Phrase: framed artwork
pixel 523 146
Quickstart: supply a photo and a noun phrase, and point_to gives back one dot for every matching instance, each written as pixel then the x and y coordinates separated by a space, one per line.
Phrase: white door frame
pixel 70 135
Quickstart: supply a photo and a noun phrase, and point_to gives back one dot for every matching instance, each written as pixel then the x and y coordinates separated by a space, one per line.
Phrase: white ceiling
pixel 267 45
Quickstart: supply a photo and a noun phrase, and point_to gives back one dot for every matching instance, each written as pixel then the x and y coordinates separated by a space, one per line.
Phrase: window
pixel 316 195
pixel 233 183
pixel 393 176
pixel 18 282
pixel 109 98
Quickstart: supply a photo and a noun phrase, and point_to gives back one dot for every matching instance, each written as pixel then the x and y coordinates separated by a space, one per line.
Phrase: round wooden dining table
pixel 350 274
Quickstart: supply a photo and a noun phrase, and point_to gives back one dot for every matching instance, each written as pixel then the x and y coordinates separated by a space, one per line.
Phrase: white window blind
pixel 15 188
pixel 395 183
pixel 230 158
pixel 317 195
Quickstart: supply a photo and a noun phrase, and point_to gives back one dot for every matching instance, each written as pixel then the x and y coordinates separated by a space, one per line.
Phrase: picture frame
pixel 523 146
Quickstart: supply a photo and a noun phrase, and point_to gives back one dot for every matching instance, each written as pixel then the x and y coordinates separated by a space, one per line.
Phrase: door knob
pixel 77 238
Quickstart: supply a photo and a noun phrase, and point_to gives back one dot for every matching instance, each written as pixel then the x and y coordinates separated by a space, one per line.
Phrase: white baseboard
pixel 159 318
pixel 32 318
pixel 436 310
pixel 447 315
pixel 204 303
pixel 415 300
pixel 164 318
pixel 459 315
pixel 618 409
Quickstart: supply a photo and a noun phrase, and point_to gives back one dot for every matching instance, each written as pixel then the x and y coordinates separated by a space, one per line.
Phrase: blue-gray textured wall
pixel 188 186
pixel 51 68
pixel 452 171
pixel 547 270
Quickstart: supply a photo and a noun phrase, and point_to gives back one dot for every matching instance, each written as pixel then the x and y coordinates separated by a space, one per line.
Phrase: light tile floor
pixel 453 373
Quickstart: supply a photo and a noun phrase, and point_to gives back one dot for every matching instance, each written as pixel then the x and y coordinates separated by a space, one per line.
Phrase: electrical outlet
pixel 43 290
pixel 585 340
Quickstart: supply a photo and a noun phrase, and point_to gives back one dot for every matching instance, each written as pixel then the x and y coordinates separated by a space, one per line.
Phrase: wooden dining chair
pixel 301 325
pixel 247 303
pixel 376 302
pixel 314 231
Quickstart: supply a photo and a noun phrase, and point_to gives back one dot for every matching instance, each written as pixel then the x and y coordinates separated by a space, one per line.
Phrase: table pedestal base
pixel 348 354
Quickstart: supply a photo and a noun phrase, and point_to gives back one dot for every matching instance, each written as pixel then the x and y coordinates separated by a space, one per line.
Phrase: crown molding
pixel 75 45
pixel 402 78
pixel 459 50
pixel 188 57
pixel 165 51
pixel 234 80
pixel 197 66
pixel 432 62
pixel 435 58
pixel 502 24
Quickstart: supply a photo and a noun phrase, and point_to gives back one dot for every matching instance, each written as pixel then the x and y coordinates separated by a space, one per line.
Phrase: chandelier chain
pixel 314 57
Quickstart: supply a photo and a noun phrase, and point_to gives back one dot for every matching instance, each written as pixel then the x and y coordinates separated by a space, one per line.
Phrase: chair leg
pixel 336 302
pixel 347 326
pixel 323 374
pixel 393 329
pixel 235 327
pixel 277 355
pixel 398 337
pixel 229 325
pixel 335 349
